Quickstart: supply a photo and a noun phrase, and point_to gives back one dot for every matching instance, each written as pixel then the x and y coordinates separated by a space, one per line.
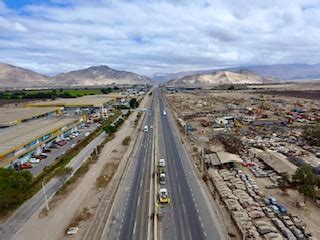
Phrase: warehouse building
pixel 85 104
pixel 20 142
pixel 14 116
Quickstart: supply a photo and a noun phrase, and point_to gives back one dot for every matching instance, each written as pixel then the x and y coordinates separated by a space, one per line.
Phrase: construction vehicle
pixel 163 196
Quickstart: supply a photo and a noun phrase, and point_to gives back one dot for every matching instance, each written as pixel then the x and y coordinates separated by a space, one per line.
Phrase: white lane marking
pixel 134 227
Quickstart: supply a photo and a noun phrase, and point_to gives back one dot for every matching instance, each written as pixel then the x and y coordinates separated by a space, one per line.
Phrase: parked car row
pixel 256 215
pixel 35 159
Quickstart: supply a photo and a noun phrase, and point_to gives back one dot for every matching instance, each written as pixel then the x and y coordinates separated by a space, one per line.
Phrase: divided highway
pixel 189 215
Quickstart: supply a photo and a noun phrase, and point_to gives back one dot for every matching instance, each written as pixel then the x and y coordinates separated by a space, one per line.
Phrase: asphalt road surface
pixel 131 213
pixel 189 214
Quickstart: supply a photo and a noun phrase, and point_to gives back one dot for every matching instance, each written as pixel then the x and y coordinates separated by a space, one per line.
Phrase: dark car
pixel 26 165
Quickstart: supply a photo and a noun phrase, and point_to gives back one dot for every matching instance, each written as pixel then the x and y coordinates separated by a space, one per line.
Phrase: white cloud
pixel 160 36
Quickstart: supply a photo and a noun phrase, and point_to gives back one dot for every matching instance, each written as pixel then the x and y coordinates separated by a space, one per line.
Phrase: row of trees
pixel 61 93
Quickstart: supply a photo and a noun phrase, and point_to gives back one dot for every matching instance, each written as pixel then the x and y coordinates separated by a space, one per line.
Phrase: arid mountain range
pixel 12 76
pixel 222 77
pixel 278 71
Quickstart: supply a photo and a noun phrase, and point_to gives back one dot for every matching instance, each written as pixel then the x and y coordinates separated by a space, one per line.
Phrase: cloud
pixel 159 36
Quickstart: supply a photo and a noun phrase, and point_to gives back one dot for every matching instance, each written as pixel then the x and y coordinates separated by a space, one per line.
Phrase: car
pixel 287 221
pixel 73 145
pixel 151 127
pixel 266 229
pixel 268 212
pixel 287 233
pixel 162 162
pixel 279 224
pixel 274 208
pixel 271 200
pixel 282 208
pixel 67 138
pixel 26 165
pixel 162 178
pixel 299 235
pixel 72 230
pixel 271 186
pixel 40 157
pixel 34 160
pixel 62 143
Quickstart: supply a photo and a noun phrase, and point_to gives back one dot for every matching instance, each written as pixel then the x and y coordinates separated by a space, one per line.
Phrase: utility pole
pixel 45 196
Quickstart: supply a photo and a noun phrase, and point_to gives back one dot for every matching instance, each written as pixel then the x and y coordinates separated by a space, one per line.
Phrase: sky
pixel 157 36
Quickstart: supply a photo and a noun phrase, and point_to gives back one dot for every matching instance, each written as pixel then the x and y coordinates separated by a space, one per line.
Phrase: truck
pixel 164 112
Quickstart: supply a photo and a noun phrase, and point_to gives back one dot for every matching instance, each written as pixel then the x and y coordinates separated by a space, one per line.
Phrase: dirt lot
pixel 312 94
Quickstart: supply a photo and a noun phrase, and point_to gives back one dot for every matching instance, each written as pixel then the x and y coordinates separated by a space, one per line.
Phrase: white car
pixel 34 160
pixel 73 145
pixel 72 230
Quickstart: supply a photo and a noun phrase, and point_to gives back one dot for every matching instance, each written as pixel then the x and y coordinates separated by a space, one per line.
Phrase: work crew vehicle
pixel 163 196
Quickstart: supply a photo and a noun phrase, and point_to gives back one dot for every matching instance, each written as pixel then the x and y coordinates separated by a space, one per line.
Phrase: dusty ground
pixel 309 215
pixel 84 195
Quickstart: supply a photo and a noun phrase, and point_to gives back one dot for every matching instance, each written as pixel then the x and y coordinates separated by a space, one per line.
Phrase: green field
pixel 52 93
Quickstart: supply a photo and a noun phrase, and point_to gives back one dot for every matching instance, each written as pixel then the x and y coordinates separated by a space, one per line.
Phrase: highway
pixel 131 212
pixel 190 214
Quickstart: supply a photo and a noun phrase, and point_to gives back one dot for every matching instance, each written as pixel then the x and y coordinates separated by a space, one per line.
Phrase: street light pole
pixel 45 196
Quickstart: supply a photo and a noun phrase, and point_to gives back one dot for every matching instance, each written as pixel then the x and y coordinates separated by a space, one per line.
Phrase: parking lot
pixel 56 151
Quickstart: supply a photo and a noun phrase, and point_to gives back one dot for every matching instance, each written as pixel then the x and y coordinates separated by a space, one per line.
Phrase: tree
pixel 284 182
pixel 133 103
pixel 64 173
pixel 14 188
pixel 312 134
pixel 110 128
pixel 305 180
pixel 106 90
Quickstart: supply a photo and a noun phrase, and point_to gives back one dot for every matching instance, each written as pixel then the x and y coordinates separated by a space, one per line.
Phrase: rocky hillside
pixel 12 76
pixel 220 78
pixel 100 75
pixel 278 71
